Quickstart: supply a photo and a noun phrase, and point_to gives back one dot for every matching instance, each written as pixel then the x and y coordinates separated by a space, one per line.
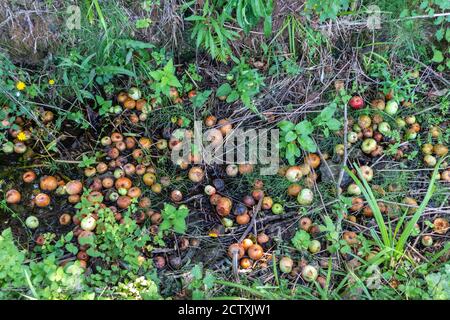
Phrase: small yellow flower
pixel 22 136
pixel 51 82
pixel 20 85
pixel 213 234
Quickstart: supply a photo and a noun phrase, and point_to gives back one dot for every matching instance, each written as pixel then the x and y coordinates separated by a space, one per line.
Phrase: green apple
pixel 32 222
pixel 369 145
pixel 391 107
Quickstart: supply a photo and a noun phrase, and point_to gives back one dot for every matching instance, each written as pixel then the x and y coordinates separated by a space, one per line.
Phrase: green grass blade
pixel 410 226
pixel 368 194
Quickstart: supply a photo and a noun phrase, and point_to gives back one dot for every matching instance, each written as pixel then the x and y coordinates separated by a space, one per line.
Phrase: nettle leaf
pixel 290 136
pixel 307 143
pixel 156 75
pixel 224 90
pixel 286 125
pixel 169 68
pixel 173 81
pixel 304 128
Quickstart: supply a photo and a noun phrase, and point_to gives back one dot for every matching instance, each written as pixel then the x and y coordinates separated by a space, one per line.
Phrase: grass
pixel 392 244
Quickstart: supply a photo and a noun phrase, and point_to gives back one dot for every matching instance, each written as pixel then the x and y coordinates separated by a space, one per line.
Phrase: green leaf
pixel 440 34
pixel 111 70
pixel 224 90
pixel 301 240
pixel 135 44
pixel 173 81
pixel 200 99
pixel 267 26
pixel 143 23
pixel 286 125
pixel 304 128
pixel 93 253
pixel 328 112
pixel 307 143
pixel 209 280
pixel 197 272
pixel 169 68
pixel 233 96
pixel 438 57
pixel 290 157
pixel 71 248
pixel 290 136
pixel 179 225
pixel 333 124
pixel 195 18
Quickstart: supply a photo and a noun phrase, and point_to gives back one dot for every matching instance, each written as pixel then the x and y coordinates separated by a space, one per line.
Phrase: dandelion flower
pixel 20 85
pixel 22 136
pixel 51 82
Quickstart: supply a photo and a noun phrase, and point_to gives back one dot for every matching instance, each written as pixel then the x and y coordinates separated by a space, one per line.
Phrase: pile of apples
pixel 250 251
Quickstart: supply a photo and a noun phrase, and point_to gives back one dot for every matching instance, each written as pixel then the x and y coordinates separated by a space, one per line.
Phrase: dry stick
pixel 255 213
pixel 341 173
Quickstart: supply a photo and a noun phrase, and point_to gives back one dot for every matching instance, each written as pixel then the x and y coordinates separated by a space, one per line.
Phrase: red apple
pixel 356 102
